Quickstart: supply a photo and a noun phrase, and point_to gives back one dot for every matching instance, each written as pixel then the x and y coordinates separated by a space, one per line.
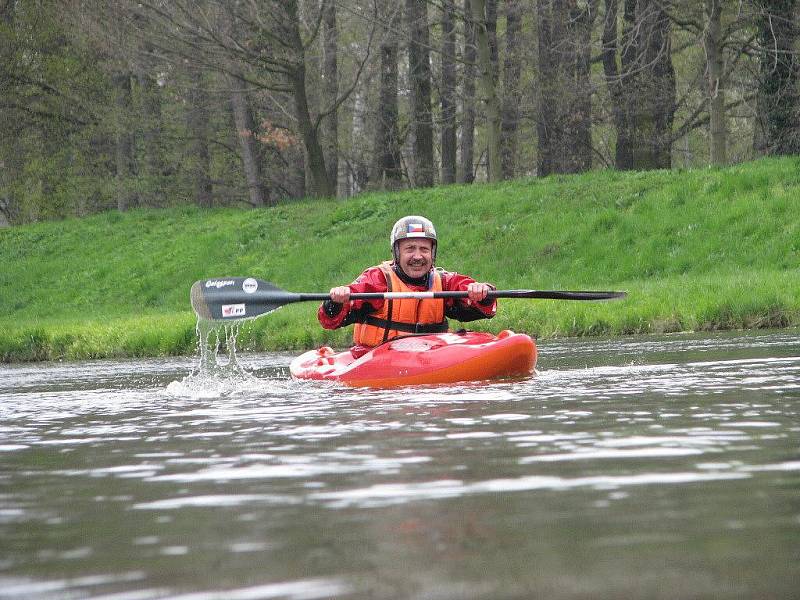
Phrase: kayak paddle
pixel 245 298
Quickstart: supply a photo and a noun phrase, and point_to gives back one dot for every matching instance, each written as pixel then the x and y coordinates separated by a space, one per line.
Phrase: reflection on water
pixel 637 468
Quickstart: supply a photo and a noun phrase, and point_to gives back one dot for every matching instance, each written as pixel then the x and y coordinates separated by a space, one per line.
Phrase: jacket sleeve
pixel 332 315
pixel 463 309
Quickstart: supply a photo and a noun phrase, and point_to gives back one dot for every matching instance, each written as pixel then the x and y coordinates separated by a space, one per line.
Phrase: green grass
pixel 705 249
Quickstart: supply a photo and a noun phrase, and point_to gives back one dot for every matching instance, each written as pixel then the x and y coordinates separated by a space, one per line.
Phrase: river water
pixel 645 467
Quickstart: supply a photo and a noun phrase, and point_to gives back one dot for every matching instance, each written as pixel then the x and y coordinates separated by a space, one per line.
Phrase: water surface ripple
pixel 645 467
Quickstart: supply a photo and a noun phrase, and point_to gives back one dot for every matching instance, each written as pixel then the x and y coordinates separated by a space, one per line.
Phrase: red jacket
pixel 373 280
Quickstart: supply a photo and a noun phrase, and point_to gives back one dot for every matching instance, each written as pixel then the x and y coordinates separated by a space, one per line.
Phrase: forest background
pixel 119 104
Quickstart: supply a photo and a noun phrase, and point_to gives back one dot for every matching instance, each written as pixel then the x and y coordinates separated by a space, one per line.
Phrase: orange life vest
pixel 403 315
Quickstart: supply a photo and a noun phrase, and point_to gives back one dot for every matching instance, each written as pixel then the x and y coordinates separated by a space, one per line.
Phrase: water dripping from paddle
pixel 218 371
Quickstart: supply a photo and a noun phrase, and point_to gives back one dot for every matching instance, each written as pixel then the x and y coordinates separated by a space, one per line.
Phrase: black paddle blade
pixel 558 294
pixel 232 298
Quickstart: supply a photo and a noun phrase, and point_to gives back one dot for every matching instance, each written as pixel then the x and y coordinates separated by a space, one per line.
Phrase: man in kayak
pixel 413 242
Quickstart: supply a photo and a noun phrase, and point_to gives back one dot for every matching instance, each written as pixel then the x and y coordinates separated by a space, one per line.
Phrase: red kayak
pixel 423 359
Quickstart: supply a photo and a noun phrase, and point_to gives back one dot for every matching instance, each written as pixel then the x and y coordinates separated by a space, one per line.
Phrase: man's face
pixel 416 256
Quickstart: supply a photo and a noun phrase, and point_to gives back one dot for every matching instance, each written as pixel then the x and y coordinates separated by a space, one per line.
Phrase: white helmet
pixel 412 226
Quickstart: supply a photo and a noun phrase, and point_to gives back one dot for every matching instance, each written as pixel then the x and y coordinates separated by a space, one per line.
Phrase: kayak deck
pixel 423 359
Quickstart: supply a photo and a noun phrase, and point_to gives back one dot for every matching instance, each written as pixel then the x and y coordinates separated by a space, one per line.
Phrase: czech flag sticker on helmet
pixel 416 228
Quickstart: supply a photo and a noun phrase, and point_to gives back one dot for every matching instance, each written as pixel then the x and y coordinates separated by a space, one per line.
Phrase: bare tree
pixel 124 142
pixel 150 126
pixel 269 44
pixel 778 94
pixel 512 91
pixel 198 154
pixel 330 89
pixel 655 87
pixel 715 77
pixel 387 168
pixel 243 118
pixel 293 67
pixel 724 81
pixel 448 92
pixel 466 172
pixel 564 114
pixel 641 80
pixel 489 98
pixel 245 127
pixel 617 67
pixel 419 73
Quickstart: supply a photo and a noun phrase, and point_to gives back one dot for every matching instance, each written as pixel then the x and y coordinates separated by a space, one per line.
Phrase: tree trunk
pixel 387 165
pixel 779 99
pixel 358 166
pixel 627 96
pixel 199 157
pixel 419 68
pixel 150 126
pixel 5 211
pixel 7 203
pixel 582 20
pixel 330 90
pixel 512 93
pixel 618 79
pixel 448 93
pixel 641 83
pixel 565 116
pixel 387 168
pixel 546 116
pixel 491 32
pixel 712 42
pixel 258 193
pixel 124 143
pixel 467 169
pixel 7 12
pixel 653 94
pixel 321 185
pixel 488 91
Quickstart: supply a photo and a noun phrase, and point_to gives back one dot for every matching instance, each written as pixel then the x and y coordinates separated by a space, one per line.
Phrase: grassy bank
pixel 696 250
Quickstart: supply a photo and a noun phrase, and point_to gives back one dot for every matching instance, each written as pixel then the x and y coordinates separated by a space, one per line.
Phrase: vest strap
pixel 387 326
pixel 406 327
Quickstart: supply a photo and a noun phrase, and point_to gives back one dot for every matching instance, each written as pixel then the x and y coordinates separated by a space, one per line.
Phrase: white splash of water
pixel 218 371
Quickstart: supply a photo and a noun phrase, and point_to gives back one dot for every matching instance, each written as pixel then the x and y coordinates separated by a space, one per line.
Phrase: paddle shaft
pixel 237 297
pixel 290 297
